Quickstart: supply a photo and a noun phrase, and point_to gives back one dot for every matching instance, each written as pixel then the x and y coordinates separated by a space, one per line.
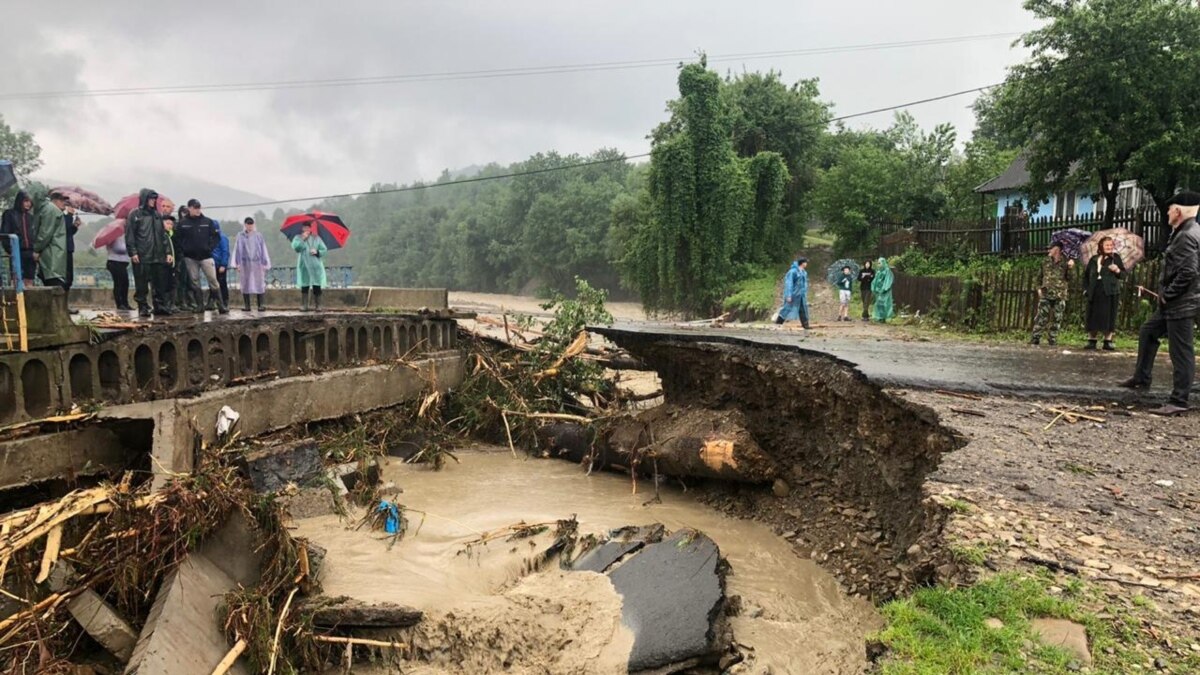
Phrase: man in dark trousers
pixel 196 237
pixel 1178 300
pixel 151 254
pixel 72 222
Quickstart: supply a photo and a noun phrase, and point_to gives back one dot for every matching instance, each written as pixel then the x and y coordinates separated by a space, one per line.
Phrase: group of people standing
pixel 46 239
pixel 170 255
pixel 1101 291
pixel 875 288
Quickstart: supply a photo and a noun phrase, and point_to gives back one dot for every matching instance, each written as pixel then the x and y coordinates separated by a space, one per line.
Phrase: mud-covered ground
pixel 1117 501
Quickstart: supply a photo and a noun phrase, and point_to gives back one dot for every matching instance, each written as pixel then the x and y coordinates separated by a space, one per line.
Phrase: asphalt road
pixel 956 366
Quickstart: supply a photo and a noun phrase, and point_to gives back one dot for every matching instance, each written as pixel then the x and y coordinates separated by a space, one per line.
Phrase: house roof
pixel 1014 177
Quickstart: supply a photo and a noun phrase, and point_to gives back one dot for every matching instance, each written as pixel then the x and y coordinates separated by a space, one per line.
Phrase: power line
pixel 611 160
pixel 486 74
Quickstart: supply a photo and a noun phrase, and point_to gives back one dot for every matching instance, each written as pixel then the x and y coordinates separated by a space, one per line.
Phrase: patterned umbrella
pixel 834 271
pixel 327 226
pixel 85 200
pixel 1126 244
pixel 1070 240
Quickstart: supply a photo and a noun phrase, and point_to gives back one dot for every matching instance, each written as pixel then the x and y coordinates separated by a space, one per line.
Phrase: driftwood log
pixel 668 440
pixel 344 612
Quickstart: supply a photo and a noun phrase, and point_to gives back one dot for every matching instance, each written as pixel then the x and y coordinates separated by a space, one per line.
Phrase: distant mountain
pixel 179 187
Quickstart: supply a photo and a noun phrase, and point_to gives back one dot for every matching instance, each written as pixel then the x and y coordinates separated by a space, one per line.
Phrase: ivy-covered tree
pixel 703 206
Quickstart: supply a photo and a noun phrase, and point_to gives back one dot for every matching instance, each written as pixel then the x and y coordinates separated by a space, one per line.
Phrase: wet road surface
pixel 985 369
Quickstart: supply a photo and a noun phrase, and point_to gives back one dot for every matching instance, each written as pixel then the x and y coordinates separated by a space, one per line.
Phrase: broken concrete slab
pixel 672 592
pixel 272 468
pixel 97 618
pixel 346 477
pixel 182 634
pixel 1064 634
pixel 345 612
pixel 619 543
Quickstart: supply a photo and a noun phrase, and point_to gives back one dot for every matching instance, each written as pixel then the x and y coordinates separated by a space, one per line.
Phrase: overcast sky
pixel 314 141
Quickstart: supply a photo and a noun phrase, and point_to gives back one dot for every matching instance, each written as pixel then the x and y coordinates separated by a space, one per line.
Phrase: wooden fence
pixel 1003 300
pixel 1015 235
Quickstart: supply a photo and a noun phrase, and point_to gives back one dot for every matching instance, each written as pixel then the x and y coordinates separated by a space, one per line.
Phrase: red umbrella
pixel 329 227
pixel 85 200
pixel 109 233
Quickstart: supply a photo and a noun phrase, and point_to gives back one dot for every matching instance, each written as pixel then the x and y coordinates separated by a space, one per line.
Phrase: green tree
pixel 1108 92
pixel 701 199
pixel 19 148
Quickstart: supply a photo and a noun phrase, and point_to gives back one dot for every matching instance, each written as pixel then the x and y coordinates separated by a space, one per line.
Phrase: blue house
pixel 1009 189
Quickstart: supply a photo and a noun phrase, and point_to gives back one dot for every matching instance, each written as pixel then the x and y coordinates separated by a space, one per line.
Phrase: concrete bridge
pixel 158 384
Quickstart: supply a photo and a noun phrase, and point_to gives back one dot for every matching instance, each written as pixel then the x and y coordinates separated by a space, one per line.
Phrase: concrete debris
pixel 1067 635
pixel 273 468
pixel 94 615
pixel 346 477
pixel 672 592
pixel 620 543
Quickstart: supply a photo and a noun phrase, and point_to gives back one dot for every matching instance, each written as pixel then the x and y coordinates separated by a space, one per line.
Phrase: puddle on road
pixel 807 624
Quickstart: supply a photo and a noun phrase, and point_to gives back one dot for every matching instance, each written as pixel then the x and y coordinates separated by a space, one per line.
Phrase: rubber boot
pixel 214 298
pixel 246 302
pixel 1109 346
pixel 1091 345
pixel 317 299
pixel 262 303
pixel 303 299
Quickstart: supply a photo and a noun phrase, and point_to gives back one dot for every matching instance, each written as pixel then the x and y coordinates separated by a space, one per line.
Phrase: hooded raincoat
pixel 252 261
pixel 145 236
pixel 795 294
pixel 881 287
pixel 310 267
pixel 50 242
pixel 22 223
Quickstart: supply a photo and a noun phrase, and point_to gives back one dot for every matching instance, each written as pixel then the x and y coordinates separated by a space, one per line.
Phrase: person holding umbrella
pixel 1178 303
pixel 310 269
pixel 1101 285
pixel 252 261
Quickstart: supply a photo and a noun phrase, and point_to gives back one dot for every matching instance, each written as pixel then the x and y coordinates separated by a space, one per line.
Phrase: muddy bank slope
pixel 852 458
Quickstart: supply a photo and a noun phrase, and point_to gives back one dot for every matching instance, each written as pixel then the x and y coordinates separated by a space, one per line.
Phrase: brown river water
pixel 485 613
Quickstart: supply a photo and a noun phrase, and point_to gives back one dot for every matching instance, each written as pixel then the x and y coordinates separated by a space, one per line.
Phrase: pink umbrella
pixel 109 233
pixel 130 202
pixel 85 200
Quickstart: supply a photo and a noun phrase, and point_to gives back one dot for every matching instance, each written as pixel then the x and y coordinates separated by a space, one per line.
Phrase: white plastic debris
pixel 1164 483
pixel 226 418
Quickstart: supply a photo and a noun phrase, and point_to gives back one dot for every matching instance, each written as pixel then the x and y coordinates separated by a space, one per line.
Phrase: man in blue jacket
pixel 220 257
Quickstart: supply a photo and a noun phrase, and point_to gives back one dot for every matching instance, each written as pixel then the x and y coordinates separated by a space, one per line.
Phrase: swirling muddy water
pixel 795 618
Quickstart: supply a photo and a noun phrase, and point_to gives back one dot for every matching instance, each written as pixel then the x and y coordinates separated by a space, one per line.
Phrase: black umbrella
pixel 8 177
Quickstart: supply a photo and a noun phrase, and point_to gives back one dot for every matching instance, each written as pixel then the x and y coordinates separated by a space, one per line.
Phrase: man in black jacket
pixel 21 221
pixel 196 237
pixel 150 252
pixel 1178 301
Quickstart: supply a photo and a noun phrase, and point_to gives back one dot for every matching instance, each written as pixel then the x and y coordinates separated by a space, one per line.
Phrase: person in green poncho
pixel 881 288
pixel 310 266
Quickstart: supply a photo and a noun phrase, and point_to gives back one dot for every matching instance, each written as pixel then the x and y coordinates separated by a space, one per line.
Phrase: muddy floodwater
pixel 794 618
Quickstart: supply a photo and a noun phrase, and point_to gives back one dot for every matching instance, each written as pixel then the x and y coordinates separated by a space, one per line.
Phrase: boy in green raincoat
pixel 310 266
pixel 881 288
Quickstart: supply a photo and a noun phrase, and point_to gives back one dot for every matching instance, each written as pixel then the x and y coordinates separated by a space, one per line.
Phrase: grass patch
pixel 941 631
pixel 974 554
pixel 1070 339
pixel 958 506
pixel 814 238
pixel 756 294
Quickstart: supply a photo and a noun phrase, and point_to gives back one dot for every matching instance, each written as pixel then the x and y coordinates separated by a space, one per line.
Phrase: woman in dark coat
pixel 1101 285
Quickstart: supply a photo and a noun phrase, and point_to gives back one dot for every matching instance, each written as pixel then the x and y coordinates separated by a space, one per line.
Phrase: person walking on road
pixel 150 252
pixel 251 259
pixel 1052 296
pixel 50 241
pixel 1178 303
pixel 795 294
pixel 881 288
pixel 310 269
pixel 21 221
pixel 1101 285
pixel 865 276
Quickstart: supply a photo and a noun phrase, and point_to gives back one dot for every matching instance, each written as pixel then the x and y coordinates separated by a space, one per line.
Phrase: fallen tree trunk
pixel 668 440
pixel 343 612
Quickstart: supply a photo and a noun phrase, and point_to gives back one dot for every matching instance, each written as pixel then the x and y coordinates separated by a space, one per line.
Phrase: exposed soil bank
pixel 853 459
pixel 793 616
